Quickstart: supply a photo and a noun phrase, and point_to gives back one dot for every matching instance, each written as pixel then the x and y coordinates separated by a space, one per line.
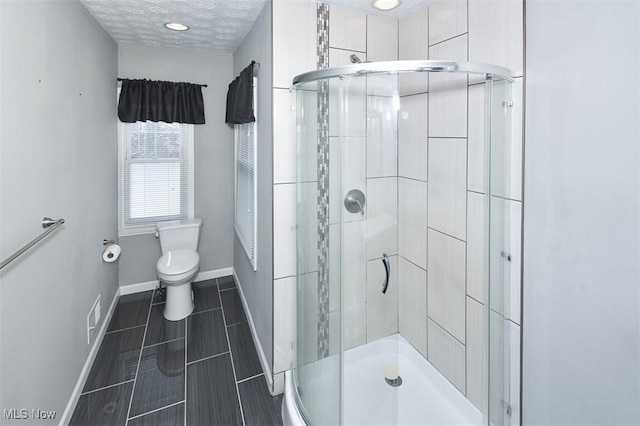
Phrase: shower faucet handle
pixel 355 201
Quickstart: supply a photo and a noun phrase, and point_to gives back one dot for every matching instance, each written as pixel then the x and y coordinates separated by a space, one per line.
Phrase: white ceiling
pixel 215 24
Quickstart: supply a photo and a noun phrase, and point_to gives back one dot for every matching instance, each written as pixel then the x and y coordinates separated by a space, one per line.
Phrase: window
pixel 156 174
pixel 246 195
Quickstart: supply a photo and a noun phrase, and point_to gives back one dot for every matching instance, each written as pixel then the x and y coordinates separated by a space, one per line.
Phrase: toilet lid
pixel 178 262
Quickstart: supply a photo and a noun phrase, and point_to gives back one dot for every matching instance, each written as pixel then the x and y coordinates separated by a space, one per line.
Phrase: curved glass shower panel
pixel 504 256
pixel 317 371
pixel 402 317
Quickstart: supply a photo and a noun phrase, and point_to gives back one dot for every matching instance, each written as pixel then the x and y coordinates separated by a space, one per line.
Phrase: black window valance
pixel 147 100
pixel 240 98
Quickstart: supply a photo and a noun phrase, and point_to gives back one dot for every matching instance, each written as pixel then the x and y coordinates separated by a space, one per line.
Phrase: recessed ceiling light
pixel 175 26
pixel 386 4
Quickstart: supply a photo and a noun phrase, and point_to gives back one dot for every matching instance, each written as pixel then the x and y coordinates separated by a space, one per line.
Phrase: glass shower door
pixel 503 262
pixel 317 371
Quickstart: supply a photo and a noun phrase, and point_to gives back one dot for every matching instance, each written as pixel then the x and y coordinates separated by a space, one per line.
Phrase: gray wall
pixel 258 286
pixel 213 156
pixel 58 159
pixel 581 358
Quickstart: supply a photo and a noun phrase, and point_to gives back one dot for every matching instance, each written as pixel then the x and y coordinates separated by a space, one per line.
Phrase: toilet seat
pixel 176 265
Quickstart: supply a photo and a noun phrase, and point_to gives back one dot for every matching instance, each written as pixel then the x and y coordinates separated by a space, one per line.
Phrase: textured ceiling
pixel 215 24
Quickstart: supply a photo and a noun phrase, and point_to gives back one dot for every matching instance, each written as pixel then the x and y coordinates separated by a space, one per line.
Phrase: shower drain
pixel 394 382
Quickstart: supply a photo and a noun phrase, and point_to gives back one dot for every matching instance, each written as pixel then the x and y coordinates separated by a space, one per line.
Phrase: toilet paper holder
pixel 107 242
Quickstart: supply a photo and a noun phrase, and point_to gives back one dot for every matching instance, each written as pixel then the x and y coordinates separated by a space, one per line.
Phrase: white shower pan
pixel 425 396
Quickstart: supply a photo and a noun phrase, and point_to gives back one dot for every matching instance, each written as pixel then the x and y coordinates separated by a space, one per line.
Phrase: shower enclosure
pixel 403 245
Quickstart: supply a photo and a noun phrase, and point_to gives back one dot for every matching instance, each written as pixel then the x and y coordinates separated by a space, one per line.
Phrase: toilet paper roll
pixel 111 253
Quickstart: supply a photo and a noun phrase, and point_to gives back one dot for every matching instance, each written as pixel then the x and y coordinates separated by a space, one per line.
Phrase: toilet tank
pixel 179 234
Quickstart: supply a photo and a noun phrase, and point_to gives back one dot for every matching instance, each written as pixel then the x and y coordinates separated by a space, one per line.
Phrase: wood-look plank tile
pixel 226 282
pixel 171 416
pixel 243 350
pixel 205 335
pixel 160 330
pixel 258 406
pixel 104 407
pixel 117 359
pixel 160 380
pixel 131 311
pixel 205 295
pixel 232 306
pixel 211 393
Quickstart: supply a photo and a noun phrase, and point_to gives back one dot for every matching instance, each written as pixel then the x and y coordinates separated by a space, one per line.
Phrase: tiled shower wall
pixel 435 188
pixel 441 190
pixel 372 170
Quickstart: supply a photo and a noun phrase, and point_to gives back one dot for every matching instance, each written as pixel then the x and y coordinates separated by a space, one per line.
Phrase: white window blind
pixel 156 177
pixel 246 195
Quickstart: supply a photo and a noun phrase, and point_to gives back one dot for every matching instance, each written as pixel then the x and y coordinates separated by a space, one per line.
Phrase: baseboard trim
pixel 84 374
pixel 261 355
pixel 138 287
pixel 216 273
pixel 150 285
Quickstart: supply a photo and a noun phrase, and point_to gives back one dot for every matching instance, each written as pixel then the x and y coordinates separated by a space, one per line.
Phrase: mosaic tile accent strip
pixel 323 181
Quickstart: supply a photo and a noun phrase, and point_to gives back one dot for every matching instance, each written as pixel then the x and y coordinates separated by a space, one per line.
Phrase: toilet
pixel 178 265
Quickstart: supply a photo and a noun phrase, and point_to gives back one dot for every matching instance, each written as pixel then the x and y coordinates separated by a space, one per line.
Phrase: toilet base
pixel 179 303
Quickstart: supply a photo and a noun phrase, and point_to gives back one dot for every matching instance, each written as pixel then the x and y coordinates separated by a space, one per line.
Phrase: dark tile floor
pixel 203 370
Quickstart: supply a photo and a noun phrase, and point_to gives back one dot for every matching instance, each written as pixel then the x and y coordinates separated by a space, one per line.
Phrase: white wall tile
pixel 506 144
pixel 307 317
pixel 496 33
pixel 447 355
pixel 355 325
pixel 413 39
pixel 347 28
pixel 476 348
pixel 476 140
pixel 293 55
pixel 448 92
pixel 340 57
pixel 382 136
pixel 348 106
pixel 284 232
pixel 383 85
pixel 506 223
pixel 507 167
pixel 335 273
pixel 447 19
pixel 335 330
pixel 412 304
pixel 354 263
pixel 347 157
pixel 412 221
pixel 413 35
pixel 477 244
pixel 446 293
pixel 284 321
pixel 506 141
pixel 413 83
pixel 284 137
pixel 382 38
pixel 412 137
pixel 307 152
pixel 307 204
pixel 382 309
pixel 382 217
pixel 448 186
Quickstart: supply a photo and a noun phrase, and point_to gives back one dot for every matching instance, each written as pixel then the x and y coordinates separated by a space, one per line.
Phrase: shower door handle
pixel 387 269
